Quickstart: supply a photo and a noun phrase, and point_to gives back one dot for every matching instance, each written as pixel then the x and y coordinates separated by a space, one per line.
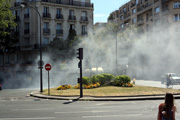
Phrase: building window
pixel 72 27
pixel 26 15
pixel 122 17
pixel 46 27
pixel 124 9
pixel 26 28
pixel 58 14
pixel 45 41
pixel 59 29
pixel 84 29
pixel 71 2
pixel 137 2
pixel 84 16
pixel 58 1
pixel 157 10
pixel 122 26
pixel 134 20
pixel 176 4
pixel 134 11
pixel 141 1
pixel 177 17
pixel 46 10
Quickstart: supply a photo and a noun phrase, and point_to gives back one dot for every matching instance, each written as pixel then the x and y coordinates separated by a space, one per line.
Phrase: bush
pixel 108 77
pixel 94 79
pixel 101 79
pixel 85 81
pixel 122 80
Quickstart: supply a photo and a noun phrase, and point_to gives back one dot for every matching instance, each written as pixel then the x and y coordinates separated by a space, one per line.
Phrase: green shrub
pixel 101 79
pixel 108 77
pixel 85 80
pixel 122 79
pixel 94 79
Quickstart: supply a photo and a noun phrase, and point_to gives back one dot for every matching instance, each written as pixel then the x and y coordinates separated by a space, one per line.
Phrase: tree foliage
pixel 7 34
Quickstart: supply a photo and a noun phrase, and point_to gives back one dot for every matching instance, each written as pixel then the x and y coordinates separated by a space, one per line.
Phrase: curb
pixel 37 94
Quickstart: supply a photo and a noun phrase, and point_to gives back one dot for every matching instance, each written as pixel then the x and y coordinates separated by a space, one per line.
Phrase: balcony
pixel 140 21
pixel 17 19
pixel 143 7
pixel 126 15
pixel 59 32
pixel 59 16
pixel 84 33
pixel 72 18
pixel 84 19
pixel 16 4
pixel 26 15
pixel 66 2
pixel 26 31
pixel 46 15
pixel 46 30
pixel 165 1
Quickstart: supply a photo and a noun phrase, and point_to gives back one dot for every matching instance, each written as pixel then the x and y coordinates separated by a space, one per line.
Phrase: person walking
pixel 167 109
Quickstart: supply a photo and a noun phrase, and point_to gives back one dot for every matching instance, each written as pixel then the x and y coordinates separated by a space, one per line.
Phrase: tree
pixel 7 35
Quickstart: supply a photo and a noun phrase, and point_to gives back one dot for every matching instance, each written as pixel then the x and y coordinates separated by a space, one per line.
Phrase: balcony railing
pixel 126 15
pixel 84 18
pixel 46 15
pixel 26 31
pixel 59 16
pixel 142 7
pixel 46 31
pixel 71 17
pixel 16 4
pixel 26 15
pixel 84 33
pixel 66 2
pixel 17 19
pixel 164 1
pixel 59 32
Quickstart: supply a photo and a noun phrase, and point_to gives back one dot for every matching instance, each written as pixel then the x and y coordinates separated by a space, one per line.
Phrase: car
pixel 175 80
pixel 0 87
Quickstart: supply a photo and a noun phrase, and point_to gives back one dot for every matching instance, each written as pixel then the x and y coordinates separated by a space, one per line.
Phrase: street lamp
pixel 23 4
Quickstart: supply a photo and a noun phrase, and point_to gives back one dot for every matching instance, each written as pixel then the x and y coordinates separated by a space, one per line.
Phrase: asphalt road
pixel 15 105
pixel 154 84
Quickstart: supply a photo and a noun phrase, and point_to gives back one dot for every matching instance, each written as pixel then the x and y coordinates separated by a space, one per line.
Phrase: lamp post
pixel 23 4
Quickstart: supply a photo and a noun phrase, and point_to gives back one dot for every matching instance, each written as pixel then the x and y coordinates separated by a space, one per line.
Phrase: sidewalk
pixel 107 98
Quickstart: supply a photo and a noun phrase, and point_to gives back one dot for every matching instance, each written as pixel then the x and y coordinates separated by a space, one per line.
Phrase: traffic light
pixel 80 53
pixel 78 80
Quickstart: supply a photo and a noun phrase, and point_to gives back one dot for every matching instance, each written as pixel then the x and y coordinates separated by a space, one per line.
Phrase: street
pixel 15 105
pixel 154 84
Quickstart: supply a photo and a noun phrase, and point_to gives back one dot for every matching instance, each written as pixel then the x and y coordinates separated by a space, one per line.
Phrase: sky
pixel 102 8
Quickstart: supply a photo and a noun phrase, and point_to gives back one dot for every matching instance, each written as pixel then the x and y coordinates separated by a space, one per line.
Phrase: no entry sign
pixel 48 67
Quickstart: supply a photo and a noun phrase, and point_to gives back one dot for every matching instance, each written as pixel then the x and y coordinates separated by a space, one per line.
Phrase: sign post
pixel 48 68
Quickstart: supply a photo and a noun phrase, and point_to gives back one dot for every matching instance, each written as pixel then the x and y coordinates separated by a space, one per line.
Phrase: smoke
pixel 140 53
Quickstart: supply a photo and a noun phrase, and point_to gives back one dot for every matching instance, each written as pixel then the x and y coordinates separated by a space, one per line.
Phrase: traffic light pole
pixel 81 91
pixel 80 57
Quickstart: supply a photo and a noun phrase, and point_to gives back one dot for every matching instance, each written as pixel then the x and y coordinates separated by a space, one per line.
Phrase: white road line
pixel 34 109
pixel 92 111
pixel 130 115
pixel 41 118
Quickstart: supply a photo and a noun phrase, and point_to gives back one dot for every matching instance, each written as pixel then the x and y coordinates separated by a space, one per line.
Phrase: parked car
pixel 0 87
pixel 175 80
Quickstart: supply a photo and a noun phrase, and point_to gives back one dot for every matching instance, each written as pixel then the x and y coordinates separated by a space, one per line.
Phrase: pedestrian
pixel 167 109
pixel 168 80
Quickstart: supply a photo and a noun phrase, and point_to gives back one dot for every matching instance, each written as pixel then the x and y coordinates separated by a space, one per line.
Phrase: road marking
pixel 41 118
pixel 36 109
pixel 130 115
pixel 92 111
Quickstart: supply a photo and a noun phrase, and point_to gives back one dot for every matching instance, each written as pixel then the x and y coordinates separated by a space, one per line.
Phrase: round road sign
pixel 48 67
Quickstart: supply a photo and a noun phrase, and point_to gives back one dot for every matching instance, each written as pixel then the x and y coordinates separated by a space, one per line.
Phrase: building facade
pixel 57 18
pixel 148 13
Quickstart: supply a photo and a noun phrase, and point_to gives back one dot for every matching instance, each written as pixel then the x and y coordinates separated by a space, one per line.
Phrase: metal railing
pixel 46 31
pixel 84 18
pixel 71 17
pixel 74 3
pixel 59 32
pixel 46 15
pixel 59 16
